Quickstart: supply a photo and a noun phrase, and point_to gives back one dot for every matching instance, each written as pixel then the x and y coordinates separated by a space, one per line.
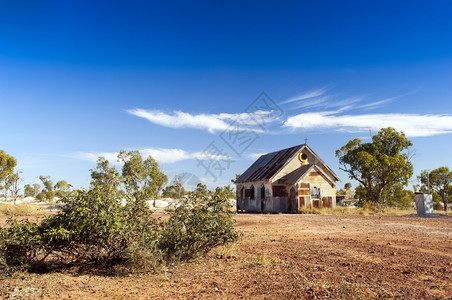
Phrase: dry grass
pixel 349 211
pixel 16 210
pixel 225 252
pixel 365 211
pixel 265 260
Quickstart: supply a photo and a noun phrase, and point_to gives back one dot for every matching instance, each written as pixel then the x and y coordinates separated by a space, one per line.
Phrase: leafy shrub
pixel 91 228
pixel 95 227
pixel 111 225
pixel 198 225
pixel 21 243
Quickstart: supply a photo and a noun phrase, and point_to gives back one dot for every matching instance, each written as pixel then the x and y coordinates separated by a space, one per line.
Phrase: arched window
pixel 252 192
pixel 263 192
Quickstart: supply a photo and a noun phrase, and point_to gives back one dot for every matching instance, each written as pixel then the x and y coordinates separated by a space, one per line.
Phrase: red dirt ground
pixel 287 257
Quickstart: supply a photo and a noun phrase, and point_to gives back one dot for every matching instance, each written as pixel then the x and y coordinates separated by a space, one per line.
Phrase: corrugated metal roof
pixel 266 166
pixel 296 174
pixel 269 164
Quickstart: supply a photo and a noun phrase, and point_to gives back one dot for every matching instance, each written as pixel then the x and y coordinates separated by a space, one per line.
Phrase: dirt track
pixel 286 257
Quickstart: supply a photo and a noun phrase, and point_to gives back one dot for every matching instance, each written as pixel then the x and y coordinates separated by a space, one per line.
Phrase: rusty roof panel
pixel 296 174
pixel 268 165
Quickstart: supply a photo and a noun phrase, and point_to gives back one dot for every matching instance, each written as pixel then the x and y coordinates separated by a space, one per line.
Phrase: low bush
pixel 20 243
pixel 111 225
pixel 198 225
pixel 98 227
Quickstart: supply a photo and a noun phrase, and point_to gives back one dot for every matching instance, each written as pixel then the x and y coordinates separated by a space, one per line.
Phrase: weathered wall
pixel 327 191
pixel 258 203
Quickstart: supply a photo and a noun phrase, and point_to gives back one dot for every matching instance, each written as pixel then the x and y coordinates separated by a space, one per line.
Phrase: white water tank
pixel 424 204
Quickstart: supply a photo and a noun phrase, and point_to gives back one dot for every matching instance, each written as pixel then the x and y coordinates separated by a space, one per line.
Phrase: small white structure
pixel 424 204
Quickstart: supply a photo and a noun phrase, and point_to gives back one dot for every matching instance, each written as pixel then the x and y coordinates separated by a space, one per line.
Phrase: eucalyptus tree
pixel 48 190
pixel 7 165
pixel 142 178
pixel 31 190
pixel 62 188
pixel 378 165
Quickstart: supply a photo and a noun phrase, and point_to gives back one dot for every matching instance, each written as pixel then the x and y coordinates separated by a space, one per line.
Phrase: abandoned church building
pixel 286 181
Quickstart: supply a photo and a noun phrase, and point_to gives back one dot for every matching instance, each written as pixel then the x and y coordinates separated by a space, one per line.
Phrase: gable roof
pixel 266 166
pixel 296 174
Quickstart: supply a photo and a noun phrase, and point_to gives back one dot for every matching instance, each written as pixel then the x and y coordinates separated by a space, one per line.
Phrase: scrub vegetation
pixel 110 225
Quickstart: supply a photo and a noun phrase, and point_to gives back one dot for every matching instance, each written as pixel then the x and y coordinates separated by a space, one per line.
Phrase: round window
pixel 303 157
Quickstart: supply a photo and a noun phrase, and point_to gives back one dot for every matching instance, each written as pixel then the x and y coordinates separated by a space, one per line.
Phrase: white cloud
pixel 376 104
pixel 306 95
pixel 313 102
pixel 346 102
pixel 161 155
pixel 255 156
pixel 209 122
pixel 413 125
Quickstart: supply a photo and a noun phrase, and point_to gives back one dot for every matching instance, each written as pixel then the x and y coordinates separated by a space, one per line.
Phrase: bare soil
pixel 287 257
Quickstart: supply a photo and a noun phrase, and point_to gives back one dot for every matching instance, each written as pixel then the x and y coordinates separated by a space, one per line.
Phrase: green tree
pixel 11 184
pixel 7 165
pixel 41 196
pixel 48 191
pixel 142 179
pixel 106 177
pixel 440 181
pixel 397 196
pixel 179 187
pixel 201 191
pixel 360 196
pixel 15 181
pixel 348 186
pixel 6 185
pixel 176 190
pixel 62 189
pixel 227 191
pixel 31 190
pixel 237 176
pixel 377 165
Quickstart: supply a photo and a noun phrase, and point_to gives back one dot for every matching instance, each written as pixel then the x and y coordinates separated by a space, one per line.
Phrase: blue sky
pixel 177 79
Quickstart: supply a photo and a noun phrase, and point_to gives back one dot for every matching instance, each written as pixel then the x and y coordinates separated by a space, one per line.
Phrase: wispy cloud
pixel 161 155
pixel 312 102
pixel 376 104
pixel 320 99
pixel 345 103
pixel 255 156
pixel 210 122
pixel 306 95
pixel 414 125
